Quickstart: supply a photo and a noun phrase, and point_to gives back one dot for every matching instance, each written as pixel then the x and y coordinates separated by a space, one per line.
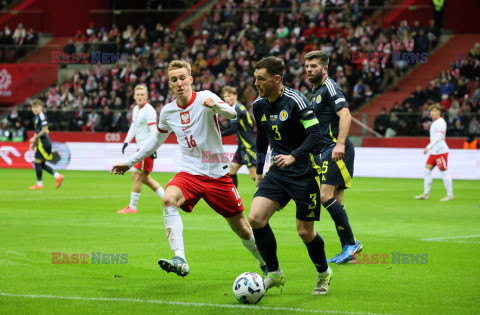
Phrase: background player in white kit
pixel 438 155
pixel 193 117
pixel 143 126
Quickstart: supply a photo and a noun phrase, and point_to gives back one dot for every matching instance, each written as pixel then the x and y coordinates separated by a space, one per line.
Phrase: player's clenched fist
pixel 209 102
pixel 119 168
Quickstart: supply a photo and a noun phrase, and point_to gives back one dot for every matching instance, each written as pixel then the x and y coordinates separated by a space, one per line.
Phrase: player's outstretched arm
pixel 220 107
pixel 150 146
pixel 119 168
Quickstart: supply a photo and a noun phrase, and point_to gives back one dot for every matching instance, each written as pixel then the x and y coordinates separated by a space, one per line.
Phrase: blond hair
pixel 177 64
pixel 37 102
pixel 229 89
pixel 436 106
pixel 141 87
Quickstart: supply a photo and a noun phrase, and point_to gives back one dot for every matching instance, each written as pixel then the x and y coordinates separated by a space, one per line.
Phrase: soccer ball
pixel 249 288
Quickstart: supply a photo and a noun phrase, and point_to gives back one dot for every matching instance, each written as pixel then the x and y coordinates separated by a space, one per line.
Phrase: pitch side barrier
pixel 99 151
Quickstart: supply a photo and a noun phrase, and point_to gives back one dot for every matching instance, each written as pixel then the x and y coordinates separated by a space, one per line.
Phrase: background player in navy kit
pixel 243 127
pixel 42 145
pixel 337 151
pixel 286 120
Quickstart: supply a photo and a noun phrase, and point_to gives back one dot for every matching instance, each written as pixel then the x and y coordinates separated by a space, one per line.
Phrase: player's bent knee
pixel 325 198
pixel 256 221
pixel 306 235
pixel 169 201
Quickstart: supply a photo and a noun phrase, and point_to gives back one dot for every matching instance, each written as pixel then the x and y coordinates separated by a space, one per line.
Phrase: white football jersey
pixel 144 117
pixel 437 144
pixel 198 135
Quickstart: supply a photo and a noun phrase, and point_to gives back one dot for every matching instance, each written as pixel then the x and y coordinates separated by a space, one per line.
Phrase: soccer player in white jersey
pixel 143 126
pixel 438 155
pixel 193 118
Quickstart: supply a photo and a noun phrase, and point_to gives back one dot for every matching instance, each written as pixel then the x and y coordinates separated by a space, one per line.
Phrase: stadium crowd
pixel 224 51
pixel 15 44
pixel 457 89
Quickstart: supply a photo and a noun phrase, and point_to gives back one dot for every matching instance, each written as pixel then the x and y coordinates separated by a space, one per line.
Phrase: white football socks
pixel 447 181
pixel 174 229
pixel 427 182
pixel 160 192
pixel 252 248
pixel 134 200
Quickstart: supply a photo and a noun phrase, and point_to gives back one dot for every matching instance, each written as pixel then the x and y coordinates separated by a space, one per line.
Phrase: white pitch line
pixel 433 239
pixel 65 197
pixel 447 241
pixel 231 306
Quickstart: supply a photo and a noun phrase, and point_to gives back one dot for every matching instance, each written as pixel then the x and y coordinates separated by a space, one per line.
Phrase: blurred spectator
pixel 69 48
pixel 392 130
pixel 19 35
pixel 80 118
pixel 106 120
pixel 382 122
pixel 5 134
pixel 93 121
pixel 18 132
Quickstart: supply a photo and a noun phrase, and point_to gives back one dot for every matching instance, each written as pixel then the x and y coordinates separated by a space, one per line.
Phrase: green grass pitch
pixel 80 218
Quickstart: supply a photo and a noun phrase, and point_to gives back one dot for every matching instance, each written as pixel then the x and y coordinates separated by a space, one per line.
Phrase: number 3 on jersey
pixel 278 136
pixel 190 143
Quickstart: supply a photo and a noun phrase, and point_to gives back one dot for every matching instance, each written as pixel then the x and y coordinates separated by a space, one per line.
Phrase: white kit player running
pixel 143 126
pixel 438 155
pixel 193 118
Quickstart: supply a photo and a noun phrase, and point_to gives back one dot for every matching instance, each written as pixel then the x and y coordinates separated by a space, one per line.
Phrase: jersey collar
pixel 315 89
pixel 279 97
pixel 194 96
pixel 143 105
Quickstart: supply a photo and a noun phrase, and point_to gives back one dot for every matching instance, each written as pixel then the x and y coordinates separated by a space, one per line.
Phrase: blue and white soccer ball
pixel 249 288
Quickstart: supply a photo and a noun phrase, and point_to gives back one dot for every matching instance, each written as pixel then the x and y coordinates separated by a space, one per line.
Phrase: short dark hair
pixel 274 65
pixel 318 54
